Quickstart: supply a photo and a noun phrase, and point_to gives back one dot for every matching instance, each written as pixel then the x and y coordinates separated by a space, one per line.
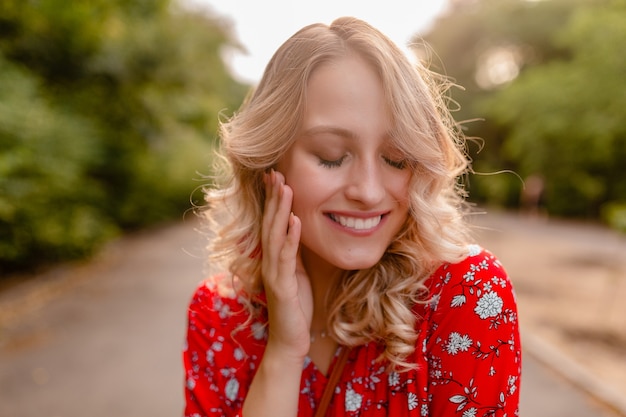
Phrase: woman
pixel 339 229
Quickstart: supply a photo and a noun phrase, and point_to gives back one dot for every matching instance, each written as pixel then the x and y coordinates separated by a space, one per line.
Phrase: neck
pixel 322 277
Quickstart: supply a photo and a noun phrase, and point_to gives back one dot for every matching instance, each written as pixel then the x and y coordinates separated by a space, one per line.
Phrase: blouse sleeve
pixel 473 350
pixel 216 367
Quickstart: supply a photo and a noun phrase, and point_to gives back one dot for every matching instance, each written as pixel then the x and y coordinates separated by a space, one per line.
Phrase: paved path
pixel 570 279
pixel 104 339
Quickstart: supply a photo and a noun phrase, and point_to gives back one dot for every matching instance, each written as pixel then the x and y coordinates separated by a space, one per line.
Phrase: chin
pixel 358 263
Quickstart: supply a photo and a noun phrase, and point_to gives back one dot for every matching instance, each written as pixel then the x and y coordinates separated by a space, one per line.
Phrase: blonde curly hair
pixel 367 305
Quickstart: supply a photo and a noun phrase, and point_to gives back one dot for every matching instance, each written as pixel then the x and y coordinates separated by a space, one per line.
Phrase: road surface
pixel 104 338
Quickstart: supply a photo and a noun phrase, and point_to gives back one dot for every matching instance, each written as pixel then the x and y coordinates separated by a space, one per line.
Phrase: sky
pixel 261 26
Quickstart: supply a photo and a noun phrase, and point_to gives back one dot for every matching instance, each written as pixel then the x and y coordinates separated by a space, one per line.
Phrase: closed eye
pixel 332 164
pixel 401 164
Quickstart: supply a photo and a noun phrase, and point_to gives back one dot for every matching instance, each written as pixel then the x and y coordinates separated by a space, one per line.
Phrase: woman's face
pixel 350 184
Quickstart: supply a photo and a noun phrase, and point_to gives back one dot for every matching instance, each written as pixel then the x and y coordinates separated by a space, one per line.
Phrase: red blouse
pixel 468 354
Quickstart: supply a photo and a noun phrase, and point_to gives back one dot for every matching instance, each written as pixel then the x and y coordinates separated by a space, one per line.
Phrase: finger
pixel 279 234
pixel 276 224
pixel 289 252
pixel 287 278
pixel 269 258
pixel 280 222
pixel 271 206
pixel 271 200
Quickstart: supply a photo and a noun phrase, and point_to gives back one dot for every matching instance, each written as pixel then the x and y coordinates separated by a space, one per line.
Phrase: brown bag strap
pixel 333 379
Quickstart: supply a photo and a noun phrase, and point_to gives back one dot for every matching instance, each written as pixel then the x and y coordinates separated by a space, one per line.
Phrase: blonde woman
pixel 349 285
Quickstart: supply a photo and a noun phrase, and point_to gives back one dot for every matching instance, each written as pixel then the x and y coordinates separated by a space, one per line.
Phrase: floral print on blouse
pixel 468 353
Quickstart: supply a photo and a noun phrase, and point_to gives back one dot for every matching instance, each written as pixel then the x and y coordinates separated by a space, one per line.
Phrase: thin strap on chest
pixel 333 379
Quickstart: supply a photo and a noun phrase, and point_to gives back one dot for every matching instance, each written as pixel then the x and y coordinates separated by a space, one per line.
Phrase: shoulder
pixel 470 336
pixel 215 294
pixel 478 281
pixel 479 266
pixel 218 305
pixel 225 341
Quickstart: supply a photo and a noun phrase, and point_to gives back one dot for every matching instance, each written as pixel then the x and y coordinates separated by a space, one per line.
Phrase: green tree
pixel 565 119
pixel 109 112
pixel 47 200
pixel 548 79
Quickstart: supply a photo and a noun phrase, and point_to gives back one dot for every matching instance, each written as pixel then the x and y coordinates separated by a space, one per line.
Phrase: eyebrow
pixel 326 129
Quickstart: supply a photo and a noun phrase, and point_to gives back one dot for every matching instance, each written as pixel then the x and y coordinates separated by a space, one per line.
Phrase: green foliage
pixel 108 113
pixel 562 118
pixel 565 119
pixel 46 199
pixel 614 214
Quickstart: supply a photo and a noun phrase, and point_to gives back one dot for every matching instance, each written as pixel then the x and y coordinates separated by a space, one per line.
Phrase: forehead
pixel 346 93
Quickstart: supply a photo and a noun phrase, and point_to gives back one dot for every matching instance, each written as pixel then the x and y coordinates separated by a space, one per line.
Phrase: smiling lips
pixel 356 223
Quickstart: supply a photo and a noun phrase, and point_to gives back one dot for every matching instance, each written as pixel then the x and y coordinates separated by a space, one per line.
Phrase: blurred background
pixel 108 115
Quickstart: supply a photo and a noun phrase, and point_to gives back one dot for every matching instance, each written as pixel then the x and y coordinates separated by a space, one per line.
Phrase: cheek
pixel 309 191
pixel 299 198
pixel 308 185
pixel 403 197
pixel 400 187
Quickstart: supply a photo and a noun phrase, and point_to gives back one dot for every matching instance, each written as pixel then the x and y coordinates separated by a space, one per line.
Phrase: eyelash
pixel 332 164
pixel 396 164
pixel 337 163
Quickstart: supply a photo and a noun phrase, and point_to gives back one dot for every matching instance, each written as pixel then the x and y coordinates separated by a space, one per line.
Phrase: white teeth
pixel 356 223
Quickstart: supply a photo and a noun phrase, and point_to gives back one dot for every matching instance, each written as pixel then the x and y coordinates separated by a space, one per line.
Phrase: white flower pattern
pixel 470 412
pixel 489 305
pixel 353 400
pixel 412 401
pixel 457 343
pixel 394 379
pixel 232 389
pixel 471 316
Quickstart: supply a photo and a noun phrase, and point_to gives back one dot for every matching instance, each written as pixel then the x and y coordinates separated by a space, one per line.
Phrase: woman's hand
pixel 287 287
pixel 276 385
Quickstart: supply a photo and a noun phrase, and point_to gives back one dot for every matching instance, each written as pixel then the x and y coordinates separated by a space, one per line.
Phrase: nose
pixel 366 183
